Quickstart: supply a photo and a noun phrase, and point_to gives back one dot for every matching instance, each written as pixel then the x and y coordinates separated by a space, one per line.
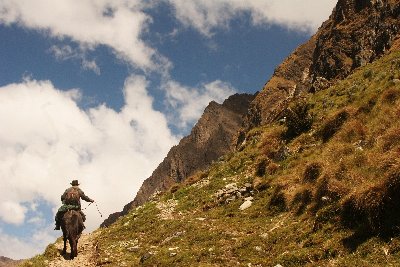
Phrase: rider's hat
pixel 74 183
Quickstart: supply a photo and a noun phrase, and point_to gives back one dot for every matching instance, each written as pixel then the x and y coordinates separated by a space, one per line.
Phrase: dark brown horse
pixel 72 227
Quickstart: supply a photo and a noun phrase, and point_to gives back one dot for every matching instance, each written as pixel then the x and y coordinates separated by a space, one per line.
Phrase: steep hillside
pixel 213 136
pixel 357 33
pixel 326 197
pixel 325 194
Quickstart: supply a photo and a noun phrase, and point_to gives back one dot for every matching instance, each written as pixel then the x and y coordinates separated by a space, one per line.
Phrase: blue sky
pixel 99 91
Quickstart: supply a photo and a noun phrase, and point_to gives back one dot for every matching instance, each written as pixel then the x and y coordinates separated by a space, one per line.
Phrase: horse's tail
pixel 73 222
pixel 76 224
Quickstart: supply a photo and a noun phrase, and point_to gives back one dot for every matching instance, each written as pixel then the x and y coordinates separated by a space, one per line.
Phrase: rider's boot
pixel 83 218
pixel 58 220
pixel 58 223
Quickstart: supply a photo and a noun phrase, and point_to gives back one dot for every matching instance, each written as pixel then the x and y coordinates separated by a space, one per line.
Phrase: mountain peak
pixel 213 136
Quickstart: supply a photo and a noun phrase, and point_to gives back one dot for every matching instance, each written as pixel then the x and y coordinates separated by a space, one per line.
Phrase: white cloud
pixel 188 103
pixel 22 248
pixel 207 15
pixel 117 24
pixel 12 212
pixel 90 65
pixel 16 248
pixel 66 52
pixel 63 52
pixel 47 141
pixel 37 220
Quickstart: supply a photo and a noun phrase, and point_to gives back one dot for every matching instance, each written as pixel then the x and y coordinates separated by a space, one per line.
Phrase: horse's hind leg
pixel 72 246
pixel 76 247
pixel 65 245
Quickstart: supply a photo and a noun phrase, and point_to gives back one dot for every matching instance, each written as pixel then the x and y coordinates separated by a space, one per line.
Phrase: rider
pixel 71 203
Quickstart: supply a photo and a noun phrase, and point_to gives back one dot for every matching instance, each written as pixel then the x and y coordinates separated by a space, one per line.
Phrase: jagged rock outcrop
pixel 213 136
pixel 357 33
pixel 289 79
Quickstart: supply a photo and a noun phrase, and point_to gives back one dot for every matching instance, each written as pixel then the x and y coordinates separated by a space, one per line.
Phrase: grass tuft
pixel 375 208
pixel 333 124
pixel 312 172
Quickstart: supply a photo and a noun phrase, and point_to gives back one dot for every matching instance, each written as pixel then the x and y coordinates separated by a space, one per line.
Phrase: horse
pixel 72 227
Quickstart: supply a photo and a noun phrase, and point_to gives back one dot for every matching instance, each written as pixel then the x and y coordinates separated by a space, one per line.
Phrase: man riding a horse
pixel 71 201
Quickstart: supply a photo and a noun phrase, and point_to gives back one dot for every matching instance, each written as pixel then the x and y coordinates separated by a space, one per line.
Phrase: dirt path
pixel 86 253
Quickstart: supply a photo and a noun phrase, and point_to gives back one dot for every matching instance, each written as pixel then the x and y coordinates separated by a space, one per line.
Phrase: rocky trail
pixel 86 253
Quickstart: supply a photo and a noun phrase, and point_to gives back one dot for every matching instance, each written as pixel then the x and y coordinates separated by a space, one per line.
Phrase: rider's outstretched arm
pixel 85 197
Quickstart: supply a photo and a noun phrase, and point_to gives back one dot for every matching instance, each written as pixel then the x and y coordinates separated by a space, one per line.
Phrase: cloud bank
pixel 24 248
pixel 50 141
pixel 47 141
pixel 117 24
pixel 208 15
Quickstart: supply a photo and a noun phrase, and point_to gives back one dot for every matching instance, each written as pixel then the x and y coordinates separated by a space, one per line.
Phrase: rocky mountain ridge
pixel 357 32
pixel 213 136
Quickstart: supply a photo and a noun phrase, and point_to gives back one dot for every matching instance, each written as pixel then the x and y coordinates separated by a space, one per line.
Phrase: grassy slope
pixel 326 203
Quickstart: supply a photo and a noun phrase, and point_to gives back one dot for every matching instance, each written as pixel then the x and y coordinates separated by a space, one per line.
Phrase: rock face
pixel 213 136
pixel 357 33
pixel 289 79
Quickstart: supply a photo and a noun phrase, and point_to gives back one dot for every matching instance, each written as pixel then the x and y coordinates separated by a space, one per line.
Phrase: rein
pixel 97 207
pixel 87 206
pixel 101 215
